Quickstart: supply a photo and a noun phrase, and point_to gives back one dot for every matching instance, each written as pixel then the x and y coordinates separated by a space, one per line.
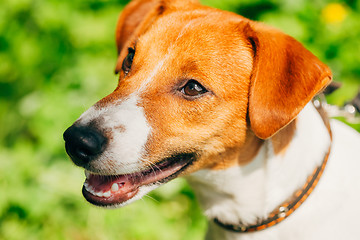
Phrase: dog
pixel 229 104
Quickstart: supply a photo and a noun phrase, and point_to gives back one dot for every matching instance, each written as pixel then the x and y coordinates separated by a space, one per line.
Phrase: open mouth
pixel 105 190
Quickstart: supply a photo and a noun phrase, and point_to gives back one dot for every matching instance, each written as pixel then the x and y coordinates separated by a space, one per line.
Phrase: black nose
pixel 82 143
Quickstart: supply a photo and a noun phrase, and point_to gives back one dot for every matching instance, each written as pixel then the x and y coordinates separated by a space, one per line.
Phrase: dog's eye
pixel 193 89
pixel 126 66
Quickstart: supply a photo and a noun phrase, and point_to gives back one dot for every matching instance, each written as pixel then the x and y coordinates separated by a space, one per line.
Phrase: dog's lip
pixel 109 190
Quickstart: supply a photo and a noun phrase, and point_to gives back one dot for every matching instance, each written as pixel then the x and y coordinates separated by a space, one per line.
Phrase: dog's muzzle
pixel 83 143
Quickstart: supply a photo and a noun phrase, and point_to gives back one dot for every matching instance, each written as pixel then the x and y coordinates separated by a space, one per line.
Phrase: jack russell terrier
pixel 228 103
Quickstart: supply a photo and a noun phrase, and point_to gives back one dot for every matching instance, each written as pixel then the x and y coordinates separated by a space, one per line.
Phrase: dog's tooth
pixel 87 186
pixel 99 194
pixel 107 194
pixel 91 190
pixel 87 174
pixel 115 187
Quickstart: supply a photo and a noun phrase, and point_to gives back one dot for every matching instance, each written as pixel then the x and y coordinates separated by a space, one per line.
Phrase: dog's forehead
pixel 181 46
pixel 188 30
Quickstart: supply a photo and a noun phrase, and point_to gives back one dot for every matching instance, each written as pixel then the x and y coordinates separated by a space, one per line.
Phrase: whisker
pixel 152 166
pixel 148 196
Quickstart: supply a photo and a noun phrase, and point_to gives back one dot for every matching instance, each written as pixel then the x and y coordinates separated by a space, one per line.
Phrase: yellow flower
pixel 334 13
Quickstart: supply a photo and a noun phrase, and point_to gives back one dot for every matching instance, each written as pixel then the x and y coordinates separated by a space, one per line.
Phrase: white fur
pixel 245 193
pixel 129 129
pixel 153 73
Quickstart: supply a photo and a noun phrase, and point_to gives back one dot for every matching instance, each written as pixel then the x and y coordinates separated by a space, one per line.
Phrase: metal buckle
pixel 348 111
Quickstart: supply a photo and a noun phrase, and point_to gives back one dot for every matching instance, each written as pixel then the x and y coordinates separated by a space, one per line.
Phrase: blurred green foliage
pixel 57 59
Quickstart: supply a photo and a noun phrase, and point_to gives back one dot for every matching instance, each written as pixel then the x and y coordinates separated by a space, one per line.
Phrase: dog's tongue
pixel 107 183
pixel 107 190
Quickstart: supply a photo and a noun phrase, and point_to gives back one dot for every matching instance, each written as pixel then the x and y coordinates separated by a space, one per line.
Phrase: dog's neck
pixel 245 194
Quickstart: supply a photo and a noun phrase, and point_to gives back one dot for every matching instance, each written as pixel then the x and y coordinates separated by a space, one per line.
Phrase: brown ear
pixel 136 17
pixel 285 78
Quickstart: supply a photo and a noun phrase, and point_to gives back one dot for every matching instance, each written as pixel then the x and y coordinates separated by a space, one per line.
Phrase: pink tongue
pixel 109 190
pixel 129 182
pixel 104 183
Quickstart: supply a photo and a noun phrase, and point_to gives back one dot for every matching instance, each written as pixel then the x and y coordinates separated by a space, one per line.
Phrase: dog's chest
pixel 330 212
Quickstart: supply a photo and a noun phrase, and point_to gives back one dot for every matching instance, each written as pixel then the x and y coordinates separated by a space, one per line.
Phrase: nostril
pixel 83 143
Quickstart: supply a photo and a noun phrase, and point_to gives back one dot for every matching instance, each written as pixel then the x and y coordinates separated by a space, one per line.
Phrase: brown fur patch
pixel 282 139
pixel 240 155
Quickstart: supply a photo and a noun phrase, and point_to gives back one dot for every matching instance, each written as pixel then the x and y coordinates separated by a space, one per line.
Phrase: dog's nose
pixel 82 143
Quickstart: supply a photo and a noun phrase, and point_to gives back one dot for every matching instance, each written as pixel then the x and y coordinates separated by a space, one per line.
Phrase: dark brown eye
pixel 126 66
pixel 192 89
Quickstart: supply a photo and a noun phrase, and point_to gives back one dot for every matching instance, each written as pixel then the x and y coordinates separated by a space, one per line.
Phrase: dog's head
pixel 199 88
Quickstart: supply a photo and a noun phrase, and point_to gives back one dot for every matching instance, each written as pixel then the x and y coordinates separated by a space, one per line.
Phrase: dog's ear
pixel 285 77
pixel 136 17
